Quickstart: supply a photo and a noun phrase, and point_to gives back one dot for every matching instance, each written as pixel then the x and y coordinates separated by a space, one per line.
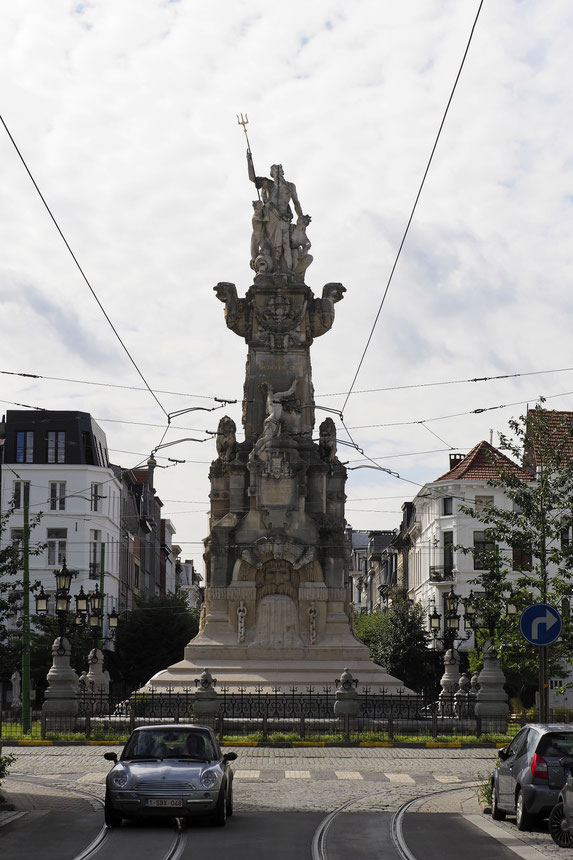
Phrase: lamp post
pixel 63 681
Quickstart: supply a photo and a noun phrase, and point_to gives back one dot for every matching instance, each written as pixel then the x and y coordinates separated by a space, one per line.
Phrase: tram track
pixel 319 847
pixel 104 839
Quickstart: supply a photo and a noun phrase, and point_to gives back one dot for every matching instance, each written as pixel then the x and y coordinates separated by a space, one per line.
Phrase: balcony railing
pixel 441 573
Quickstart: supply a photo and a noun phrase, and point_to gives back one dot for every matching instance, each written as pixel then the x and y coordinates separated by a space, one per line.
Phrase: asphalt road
pixel 280 836
pixel 281 798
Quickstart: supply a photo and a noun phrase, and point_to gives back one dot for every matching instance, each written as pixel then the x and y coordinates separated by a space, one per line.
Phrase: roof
pixel 558 427
pixel 483 463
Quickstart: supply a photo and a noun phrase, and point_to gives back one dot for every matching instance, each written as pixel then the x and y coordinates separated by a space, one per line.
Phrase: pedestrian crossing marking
pixel 348 774
pixel 446 778
pixel 247 774
pixel 400 778
pixel 297 774
pixel 93 777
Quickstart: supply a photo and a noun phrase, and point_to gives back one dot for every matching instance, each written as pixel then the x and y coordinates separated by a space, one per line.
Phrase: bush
pixel 5 762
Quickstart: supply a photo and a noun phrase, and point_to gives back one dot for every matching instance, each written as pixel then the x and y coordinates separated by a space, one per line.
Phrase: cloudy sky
pixel 125 111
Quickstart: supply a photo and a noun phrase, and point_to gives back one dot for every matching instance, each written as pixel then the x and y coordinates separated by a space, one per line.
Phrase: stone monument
pixel 276 608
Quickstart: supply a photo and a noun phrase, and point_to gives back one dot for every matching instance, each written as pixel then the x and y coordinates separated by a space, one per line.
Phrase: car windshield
pixel 172 743
pixel 556 744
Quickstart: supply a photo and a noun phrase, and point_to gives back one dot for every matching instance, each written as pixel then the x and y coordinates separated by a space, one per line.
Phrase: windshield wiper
pixel 143 758
pixel 185 757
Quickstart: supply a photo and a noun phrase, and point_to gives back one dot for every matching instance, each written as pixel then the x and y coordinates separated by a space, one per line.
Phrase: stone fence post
pixel 206 700
pixel 346 700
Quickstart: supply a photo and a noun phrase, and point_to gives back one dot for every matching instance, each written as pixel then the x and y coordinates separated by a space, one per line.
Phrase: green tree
pixel 153 636
pixel 398 640
pixel 530 558
pixel 11 592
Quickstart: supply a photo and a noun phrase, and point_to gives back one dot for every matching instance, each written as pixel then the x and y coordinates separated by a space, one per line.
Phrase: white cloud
pixel 126 114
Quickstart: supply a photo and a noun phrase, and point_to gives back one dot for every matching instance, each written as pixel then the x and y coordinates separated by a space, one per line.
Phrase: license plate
pixel 171 801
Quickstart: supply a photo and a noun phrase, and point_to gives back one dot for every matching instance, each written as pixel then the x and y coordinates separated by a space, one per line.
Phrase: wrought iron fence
pixel 266 714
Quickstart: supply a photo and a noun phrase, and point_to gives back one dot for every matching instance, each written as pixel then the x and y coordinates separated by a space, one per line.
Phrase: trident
pixel 244 121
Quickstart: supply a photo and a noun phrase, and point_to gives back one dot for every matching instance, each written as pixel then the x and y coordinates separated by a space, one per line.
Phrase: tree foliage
pixel 11 564
pixel 398 640
pixel 537 522
pixel 153 636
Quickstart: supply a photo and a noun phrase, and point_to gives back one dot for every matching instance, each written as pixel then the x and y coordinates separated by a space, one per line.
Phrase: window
pixel 24 447
pixel 95 497
pixel 565 537
pixel 95 543
pixel 448 552
pixel 521 558
pixel 482 502
pixel 57 546
pixel 56 446
pixel 136 575
pixel 57 495
pixel 447 505
pixel 483 546
pixel 21 494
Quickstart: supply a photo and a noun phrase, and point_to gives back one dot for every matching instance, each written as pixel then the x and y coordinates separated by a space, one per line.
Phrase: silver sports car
pixel 170 770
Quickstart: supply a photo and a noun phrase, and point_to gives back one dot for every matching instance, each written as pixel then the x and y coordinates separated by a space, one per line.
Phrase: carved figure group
pixel 226 439
pixel 273 422
pixel 276 244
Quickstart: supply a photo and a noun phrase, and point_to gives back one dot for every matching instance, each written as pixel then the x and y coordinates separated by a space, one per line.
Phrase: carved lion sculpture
pixel 327 440
pixel 226 441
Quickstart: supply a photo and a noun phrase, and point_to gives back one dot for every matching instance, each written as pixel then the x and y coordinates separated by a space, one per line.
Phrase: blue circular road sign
pixel 540 624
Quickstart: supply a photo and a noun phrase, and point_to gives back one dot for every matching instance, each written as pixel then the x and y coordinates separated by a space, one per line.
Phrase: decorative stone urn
pixel 492 703
pixel 61 697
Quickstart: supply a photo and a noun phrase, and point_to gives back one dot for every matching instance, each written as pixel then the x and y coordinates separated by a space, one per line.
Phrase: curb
pixel 282 744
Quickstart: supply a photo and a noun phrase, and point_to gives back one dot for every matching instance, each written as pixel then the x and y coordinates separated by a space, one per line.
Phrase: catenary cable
pixel 81 271
pixel 418 195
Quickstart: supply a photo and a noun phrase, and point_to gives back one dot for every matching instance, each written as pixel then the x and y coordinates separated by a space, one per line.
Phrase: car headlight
pixel 208 778
pixel 119 780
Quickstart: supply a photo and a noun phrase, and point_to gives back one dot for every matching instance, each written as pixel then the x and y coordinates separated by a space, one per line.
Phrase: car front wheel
pixel 523 818
pixel 220 814
pixel 111 817
pixel 496 813
pixel 559 827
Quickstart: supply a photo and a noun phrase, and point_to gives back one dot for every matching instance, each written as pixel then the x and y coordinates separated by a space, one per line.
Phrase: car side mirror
pixel 230 756
pixel 502 753
pixel 111 756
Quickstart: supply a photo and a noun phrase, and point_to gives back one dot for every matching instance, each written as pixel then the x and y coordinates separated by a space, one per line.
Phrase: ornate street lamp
pixel 42 600
pixel 112 620
pixel 435 622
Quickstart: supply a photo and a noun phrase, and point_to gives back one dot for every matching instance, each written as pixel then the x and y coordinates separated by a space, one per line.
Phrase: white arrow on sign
pixel 549 620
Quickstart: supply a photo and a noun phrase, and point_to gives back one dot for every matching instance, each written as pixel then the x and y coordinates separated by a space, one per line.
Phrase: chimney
pixel 455 459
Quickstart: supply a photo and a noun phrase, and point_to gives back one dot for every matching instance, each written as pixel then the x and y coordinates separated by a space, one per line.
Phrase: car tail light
pixel 539 767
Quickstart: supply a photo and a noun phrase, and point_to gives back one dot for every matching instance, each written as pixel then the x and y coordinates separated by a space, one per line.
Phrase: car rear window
pixel 556 744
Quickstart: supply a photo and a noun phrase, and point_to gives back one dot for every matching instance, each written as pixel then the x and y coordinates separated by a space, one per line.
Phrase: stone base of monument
pixel 258 666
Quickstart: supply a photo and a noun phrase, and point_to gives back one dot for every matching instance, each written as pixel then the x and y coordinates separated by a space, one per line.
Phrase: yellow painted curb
pixel 242 744
pixel 376 744
pixel 308 743
pixel 454 745
pixel 23 743
pixel 105 743
pixel 500 746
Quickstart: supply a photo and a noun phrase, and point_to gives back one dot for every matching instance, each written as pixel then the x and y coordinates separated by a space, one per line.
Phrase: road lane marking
pixel 400 778
pixel 297 774
pixel 348 774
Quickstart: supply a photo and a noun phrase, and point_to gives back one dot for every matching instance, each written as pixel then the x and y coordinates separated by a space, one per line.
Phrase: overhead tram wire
pixel 81 271
pixel 410 219
pixel 317 396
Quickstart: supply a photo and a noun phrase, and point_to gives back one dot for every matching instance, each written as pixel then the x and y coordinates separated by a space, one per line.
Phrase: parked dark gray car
pixel 561 816
pixel 527 781
pixel 170 770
